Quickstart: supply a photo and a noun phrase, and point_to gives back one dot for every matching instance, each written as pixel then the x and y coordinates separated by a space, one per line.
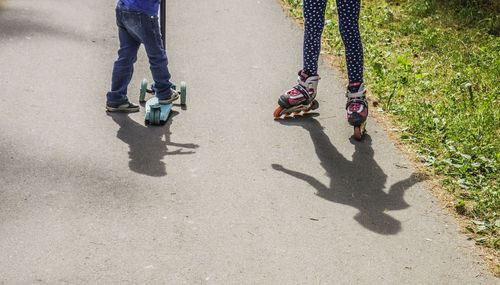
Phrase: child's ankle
pixel 354 87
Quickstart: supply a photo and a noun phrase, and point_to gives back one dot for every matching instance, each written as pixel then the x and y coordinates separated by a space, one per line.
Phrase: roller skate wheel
pixel 357 132
pixel 314 105
pixel 277 112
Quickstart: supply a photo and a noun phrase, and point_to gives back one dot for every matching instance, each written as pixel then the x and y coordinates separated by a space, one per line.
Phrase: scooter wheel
pixel 157 117
pixel 154 117
pixel 183 93
pixel 142 93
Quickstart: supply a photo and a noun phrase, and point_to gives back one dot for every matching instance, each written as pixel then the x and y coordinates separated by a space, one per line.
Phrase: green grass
pixel 433 67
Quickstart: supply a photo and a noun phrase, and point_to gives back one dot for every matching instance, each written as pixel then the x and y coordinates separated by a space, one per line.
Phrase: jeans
pixel 134 29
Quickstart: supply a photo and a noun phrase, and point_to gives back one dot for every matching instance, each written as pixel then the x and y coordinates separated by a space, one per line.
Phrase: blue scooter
pixel 156 113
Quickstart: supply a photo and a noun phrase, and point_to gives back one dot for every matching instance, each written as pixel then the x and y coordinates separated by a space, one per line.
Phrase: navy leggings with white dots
pixel 314 14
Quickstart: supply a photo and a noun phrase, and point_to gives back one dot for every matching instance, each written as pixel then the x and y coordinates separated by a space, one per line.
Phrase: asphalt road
pixel 222 194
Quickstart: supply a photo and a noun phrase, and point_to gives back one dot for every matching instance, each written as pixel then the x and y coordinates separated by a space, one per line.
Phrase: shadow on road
pixel 19 23
pixel 358 183
pixel 148 144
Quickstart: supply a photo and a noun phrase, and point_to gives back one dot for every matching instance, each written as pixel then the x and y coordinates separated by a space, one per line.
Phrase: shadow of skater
pixel 148 144
pixel 358 183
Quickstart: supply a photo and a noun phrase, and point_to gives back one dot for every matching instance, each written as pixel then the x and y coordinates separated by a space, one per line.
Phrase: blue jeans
pixel 134 29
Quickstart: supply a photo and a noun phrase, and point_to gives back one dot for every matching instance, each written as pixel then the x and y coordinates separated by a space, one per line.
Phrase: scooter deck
pixel 152 109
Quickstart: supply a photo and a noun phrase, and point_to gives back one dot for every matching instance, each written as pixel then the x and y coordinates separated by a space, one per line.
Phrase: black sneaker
pixel 126 107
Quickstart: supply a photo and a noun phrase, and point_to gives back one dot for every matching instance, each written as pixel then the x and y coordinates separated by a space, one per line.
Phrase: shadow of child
pixel 148 144
pixel 358 183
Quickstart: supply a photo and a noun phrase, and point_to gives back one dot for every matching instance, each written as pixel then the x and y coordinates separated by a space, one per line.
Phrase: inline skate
pixel 357 108
pixel 300 99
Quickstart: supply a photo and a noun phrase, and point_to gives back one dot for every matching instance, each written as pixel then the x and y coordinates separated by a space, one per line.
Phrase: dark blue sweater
pixel 148 7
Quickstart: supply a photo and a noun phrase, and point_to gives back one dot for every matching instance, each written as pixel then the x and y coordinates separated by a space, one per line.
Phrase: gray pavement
pixel 222 194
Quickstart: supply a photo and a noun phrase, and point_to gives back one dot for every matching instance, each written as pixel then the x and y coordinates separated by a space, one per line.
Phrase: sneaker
pixel 174 95
pixel 126 107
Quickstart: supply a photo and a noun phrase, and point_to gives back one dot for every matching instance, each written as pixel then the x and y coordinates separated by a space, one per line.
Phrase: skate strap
pixel 358 101
pixel 358 94
pixel 302 90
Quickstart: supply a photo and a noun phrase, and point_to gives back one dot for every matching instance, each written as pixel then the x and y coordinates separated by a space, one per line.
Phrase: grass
pixel 433 68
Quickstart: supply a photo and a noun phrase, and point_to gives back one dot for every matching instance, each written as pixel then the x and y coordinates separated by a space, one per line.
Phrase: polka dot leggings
pixel 314 14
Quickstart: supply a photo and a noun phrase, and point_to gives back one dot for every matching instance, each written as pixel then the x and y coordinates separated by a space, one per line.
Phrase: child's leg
pixel 124 65
pixel 314 14
pixel 158 61
pixel 305 91
pixel 348 11
pixel 356 105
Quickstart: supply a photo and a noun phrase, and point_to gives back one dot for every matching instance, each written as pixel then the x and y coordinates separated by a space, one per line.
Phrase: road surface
pixel 222 194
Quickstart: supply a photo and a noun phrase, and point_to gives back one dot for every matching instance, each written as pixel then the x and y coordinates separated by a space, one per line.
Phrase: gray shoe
pixel 126 107
pixel 174 95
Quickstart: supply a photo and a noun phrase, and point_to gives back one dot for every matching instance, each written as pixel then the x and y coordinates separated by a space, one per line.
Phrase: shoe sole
pixel 168 101
pixel 122 110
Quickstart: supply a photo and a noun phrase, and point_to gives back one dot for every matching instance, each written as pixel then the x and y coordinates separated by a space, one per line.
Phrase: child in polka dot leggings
pixel 305 92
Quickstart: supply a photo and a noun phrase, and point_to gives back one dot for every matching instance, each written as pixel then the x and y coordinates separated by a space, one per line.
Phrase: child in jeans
pixel 137 22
